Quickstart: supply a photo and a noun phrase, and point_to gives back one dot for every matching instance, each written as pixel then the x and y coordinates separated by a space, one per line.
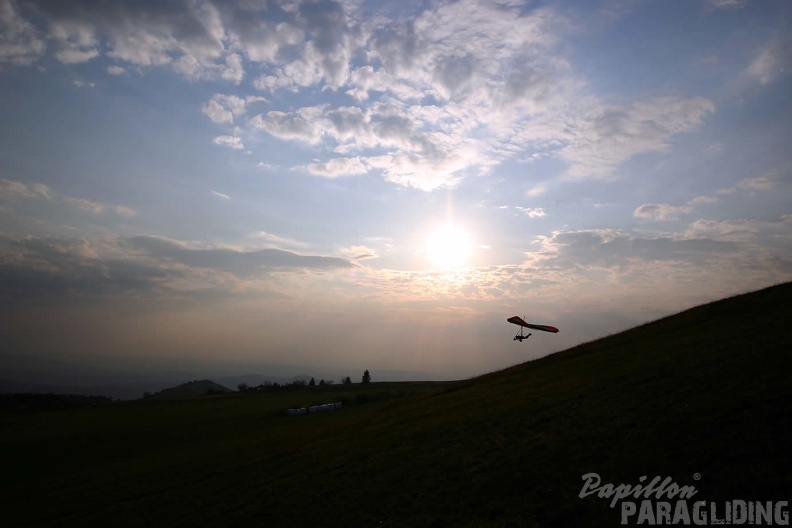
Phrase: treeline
pixel 298 384
pixel 25 402
pixel 294 385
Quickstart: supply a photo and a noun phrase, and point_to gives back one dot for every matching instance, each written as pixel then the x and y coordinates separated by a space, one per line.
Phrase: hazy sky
pixel 381 184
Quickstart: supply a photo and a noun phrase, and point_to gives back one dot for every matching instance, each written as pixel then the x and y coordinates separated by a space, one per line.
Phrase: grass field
pixel 704 393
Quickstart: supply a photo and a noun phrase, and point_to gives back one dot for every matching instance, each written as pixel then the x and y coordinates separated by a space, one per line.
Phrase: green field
pixel 702 393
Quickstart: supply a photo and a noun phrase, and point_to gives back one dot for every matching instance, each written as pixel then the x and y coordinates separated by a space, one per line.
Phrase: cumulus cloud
pixel 288 126
pixel 188 36
pixel 234 70
pixel 441 91
pixel 225 108
pixel 480 110
pixel 21 43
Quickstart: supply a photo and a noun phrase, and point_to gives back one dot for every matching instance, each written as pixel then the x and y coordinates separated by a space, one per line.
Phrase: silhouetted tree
pixel 321 382
pixel 312 383
pixel 346 381
pixel 147 394
pixel 366 377
pixel 242 387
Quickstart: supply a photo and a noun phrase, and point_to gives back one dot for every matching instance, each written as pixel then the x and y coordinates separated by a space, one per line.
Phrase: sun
pixel 449 247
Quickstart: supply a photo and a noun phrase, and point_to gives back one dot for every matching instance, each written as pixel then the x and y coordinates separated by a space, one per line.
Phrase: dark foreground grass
pixel 702 397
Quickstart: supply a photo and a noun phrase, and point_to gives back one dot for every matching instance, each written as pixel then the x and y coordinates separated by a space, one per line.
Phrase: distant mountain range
pixel 25 374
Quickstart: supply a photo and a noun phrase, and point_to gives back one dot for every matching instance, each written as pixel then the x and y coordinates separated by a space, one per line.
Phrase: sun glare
pixel 448 247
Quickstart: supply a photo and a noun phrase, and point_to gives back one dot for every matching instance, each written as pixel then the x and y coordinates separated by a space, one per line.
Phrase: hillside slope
pixel 702 397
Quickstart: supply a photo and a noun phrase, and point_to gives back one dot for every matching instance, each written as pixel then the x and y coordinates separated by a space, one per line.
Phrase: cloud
pixel 356 253
pixel 613 248
pixel 338 167
pixel 764 182
pixel 535 212
pixel 240 263
pixel 233 142
pixel 15 190
pixel 116 70
pixel 726 4
pixel 185 35
pixel 98 208
pixel 536 190
pixel 234 71
pixel 743 228
pixel 21 43
pixel 220 195
pixel 281 241
pixel 53 267
pixel 225 108
pixel 612 135
pixel 661 211
pixel 144 267
pixel 439 91
pixel 772 61
pixel 288 126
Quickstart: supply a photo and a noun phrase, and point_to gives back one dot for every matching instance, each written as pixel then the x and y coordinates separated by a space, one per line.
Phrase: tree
pixel 312 383
pixel 242 387
pixel 346 381
pixel 366 377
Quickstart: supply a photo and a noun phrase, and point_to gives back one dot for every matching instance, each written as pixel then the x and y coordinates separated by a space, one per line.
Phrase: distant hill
pixel 192 388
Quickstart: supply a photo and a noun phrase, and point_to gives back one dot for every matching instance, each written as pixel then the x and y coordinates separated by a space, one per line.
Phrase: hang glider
pixel 519 321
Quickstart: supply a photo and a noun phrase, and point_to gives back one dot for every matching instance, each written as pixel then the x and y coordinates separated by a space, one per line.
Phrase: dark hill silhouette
pixel 192 388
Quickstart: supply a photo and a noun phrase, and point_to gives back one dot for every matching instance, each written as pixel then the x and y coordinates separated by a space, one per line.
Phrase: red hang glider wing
pixel 520 322
pixel 544 328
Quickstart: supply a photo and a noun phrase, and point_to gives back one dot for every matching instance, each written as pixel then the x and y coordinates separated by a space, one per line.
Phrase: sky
pixel 333 186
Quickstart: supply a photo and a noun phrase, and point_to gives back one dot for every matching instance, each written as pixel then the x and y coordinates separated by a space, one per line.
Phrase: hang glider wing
pixel 520 322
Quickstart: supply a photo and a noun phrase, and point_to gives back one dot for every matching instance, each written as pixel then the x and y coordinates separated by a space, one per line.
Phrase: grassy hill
pixel 702 397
